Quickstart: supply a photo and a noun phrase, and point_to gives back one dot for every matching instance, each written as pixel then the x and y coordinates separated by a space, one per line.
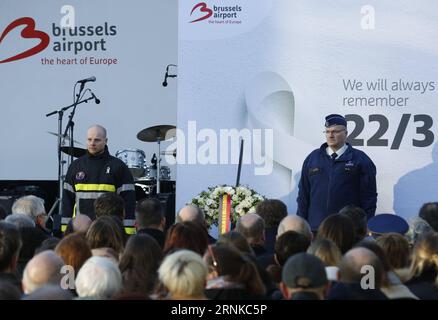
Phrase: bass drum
pixel 134 160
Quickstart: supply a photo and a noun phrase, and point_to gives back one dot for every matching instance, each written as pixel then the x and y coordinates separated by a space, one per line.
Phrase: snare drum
pixel 134 160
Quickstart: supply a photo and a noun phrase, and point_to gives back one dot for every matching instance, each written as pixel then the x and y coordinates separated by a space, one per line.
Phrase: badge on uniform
pixel 80 176
pixel 314 170
pixel 349 166
pixel 108 170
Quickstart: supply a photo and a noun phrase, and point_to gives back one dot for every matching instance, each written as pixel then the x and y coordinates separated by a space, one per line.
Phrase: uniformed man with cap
pixel 386 223
pixel 336 175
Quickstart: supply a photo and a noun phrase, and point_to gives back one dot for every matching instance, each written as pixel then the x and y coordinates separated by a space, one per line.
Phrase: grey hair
pixel 31 205
pixel 98 278
pixel 20 220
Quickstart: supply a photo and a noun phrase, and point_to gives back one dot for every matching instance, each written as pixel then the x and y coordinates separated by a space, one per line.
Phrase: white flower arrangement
pixel 243 200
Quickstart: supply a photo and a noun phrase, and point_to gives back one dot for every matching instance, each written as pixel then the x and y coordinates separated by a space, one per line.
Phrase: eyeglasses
pixel 329 132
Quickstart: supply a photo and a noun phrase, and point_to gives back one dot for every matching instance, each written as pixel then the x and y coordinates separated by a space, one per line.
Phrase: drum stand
pixel 158 164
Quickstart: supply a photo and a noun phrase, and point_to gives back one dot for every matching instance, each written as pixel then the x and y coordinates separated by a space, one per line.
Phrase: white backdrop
pixel 285 65
pixel 131 94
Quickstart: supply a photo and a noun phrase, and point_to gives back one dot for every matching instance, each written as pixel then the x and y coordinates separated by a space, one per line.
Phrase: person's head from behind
pixel 425 256
pixel 340 229
pixel 10 245
pixel 33 207
pixel 139 264
pixel 304 272
pixel 326 250
pixel 186 235
pixel 104 232
pixel 44 268
pixel 191 213
pixel 429 213
pixel 184 275
pixel 355 262
pixel 110 204
pixel 359 218
pixel 295 223
pixel 149 214
pixel 236 239
pixel 289 244
pixel 272 211
pixel 335 131
pixel 228 262
pixel 74 250
pixel 99 278
pixel 252 227
pixel 81 223
pixel 21 221
pixel 96 140
pixel 396 248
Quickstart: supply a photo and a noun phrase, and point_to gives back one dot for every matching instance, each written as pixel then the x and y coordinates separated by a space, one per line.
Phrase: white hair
pixel 31 205
pixel 20 220
pixel 98 278
pixel 184 272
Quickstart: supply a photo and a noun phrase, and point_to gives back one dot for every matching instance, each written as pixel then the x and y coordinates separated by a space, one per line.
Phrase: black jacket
pixel 89 177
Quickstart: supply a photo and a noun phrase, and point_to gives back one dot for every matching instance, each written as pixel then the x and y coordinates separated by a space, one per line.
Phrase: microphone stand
pixel 61 136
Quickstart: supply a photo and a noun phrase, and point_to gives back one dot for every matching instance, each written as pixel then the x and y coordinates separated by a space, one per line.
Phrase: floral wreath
pixel 243 200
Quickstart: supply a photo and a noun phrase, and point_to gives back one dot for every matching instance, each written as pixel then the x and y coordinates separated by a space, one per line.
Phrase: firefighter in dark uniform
pixel 334 176
pixel 94 174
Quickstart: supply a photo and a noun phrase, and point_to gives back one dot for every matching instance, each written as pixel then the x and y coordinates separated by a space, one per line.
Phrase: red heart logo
pixel 204 8
pixel 28 32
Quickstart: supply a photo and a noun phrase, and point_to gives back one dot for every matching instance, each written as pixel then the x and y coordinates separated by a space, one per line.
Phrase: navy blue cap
pixel 335 119
pixel 387 222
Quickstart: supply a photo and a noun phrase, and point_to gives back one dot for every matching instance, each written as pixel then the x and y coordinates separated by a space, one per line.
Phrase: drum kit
pixel 146 175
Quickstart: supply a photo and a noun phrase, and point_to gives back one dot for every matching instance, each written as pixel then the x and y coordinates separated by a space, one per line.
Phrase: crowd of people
pixel 269 255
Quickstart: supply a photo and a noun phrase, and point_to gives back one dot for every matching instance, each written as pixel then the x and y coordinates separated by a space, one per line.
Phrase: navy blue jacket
pixel 327 185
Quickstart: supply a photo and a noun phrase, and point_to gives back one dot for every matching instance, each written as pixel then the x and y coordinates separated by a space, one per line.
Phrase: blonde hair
pixel 184 273
pixel 326 250
pixel 425 255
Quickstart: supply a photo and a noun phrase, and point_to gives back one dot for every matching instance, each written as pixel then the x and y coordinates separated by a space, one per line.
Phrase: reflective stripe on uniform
pixel 68 187
pixel 128 222
pixel 130 230
pixel 95 187
pixel 65 220
pixel 88 195
pixel 126 187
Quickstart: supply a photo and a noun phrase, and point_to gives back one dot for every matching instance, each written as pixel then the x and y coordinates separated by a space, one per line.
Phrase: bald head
pixel 96 139
pixel 190 213
pixel 352 263
pixel 295 223
pixel 81 223
pixel 252 226
pixel 44 268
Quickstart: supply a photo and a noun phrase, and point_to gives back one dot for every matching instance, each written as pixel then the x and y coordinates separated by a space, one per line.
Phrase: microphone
pixel 167 75
pixel 91 79
pixel 95 98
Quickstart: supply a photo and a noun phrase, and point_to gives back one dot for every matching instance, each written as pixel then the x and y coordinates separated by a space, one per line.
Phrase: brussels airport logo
pixel 29 32
pixel 215 14
pixel 65 37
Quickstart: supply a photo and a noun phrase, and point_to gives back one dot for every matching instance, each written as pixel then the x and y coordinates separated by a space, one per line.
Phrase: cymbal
pixel 77 152
pixel 66 138
pixel 153 134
